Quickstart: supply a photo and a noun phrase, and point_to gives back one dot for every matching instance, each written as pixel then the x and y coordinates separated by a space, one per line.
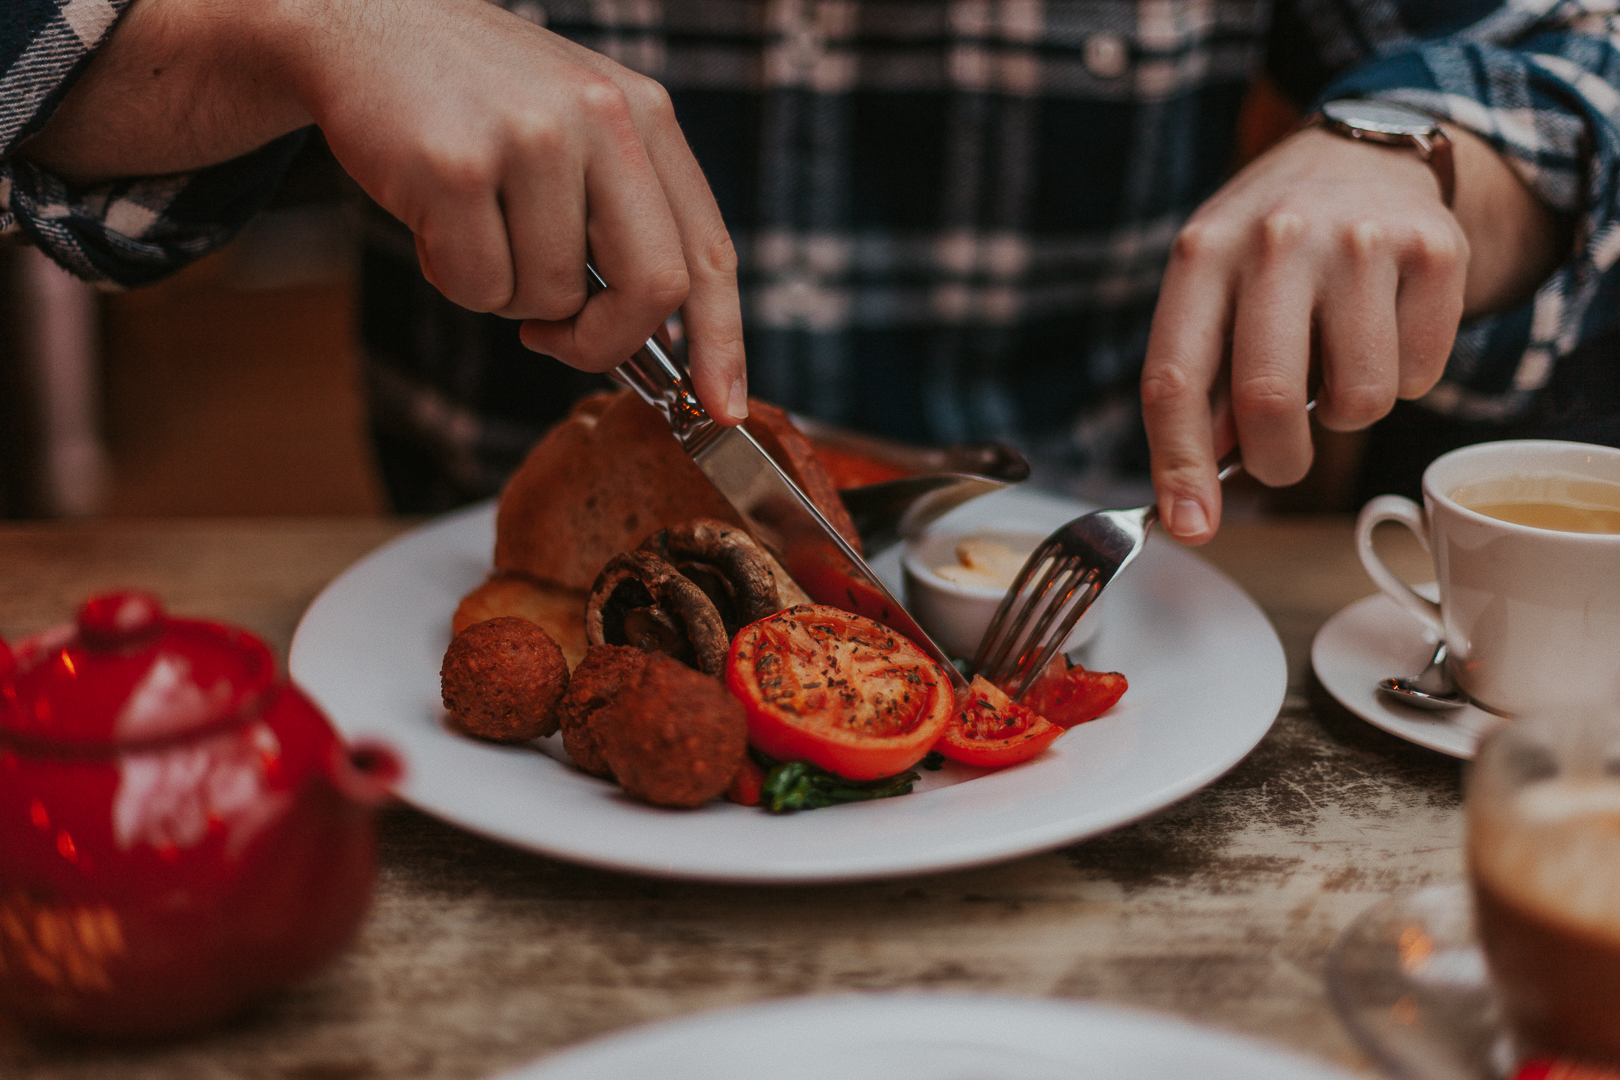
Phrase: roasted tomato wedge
pixel 824 575
pixel 852 469
pixel 837 690
pixel 992 730
pixel 1072 695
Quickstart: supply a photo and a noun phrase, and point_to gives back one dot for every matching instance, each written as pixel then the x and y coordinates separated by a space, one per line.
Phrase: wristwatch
pixel 1393 125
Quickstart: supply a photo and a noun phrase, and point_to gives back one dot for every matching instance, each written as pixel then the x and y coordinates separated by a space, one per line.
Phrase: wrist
pixel 178 85
pixel 1387 124
pixel 286 45
pixel 1516 240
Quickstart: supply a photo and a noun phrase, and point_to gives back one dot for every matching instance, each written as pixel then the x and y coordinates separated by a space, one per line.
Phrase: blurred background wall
pixel 230 389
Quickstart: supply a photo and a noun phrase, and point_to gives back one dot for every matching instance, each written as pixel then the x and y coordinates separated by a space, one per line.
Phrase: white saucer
pixel 1372 639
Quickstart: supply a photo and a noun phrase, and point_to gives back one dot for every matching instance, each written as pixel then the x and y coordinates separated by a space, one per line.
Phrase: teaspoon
pixel 1431 688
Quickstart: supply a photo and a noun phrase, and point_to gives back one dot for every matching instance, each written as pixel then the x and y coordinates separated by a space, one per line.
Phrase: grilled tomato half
pixel 839 691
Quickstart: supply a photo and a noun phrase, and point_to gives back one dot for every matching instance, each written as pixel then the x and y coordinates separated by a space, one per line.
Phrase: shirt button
pixel 804 48
pixel 1105 55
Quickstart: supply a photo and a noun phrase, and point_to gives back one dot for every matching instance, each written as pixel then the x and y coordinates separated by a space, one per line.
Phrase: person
pixel 948 220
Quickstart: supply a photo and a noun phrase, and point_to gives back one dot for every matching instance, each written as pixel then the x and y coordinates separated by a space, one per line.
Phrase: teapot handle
pixel 368 772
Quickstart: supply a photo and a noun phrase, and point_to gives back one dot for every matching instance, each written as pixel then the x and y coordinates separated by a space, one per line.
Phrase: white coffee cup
pixel 1531 615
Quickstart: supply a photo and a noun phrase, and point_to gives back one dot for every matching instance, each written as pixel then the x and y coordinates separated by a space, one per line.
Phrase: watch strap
pixel 1435 148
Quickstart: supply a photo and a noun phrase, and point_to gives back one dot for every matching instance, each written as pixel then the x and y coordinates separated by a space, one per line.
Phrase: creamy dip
pixel 984 564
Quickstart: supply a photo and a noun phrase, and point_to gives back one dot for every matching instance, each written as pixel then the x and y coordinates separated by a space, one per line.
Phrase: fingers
pixel 1361 352
pixel 1271 348
pixel 712 313
pixel 1324 252
pixel 545 208
pixel 713 320
pixel 462 247
pixel 1185 352
pixel 656 235
pixel 514 155
pixel 1434 273
pixel 632 238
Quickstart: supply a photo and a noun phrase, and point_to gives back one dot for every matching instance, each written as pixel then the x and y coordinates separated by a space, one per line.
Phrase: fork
pixel 1069 570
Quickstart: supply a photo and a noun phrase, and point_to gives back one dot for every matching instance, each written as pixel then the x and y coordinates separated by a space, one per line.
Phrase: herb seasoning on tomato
pixel 992 730
pixel 837 690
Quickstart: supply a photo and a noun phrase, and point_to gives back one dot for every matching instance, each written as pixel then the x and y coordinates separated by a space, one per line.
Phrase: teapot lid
pixel 127 672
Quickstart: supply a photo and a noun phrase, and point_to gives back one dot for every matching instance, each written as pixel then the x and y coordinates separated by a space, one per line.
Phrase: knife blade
pixel 773 507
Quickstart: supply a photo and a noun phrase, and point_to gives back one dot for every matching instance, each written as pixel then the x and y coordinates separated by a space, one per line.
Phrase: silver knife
pixel 780 515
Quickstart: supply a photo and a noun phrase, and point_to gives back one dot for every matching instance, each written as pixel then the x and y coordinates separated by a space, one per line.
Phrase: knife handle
pixel 653 373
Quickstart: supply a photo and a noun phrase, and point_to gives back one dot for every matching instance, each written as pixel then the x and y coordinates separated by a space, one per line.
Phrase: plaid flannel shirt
pixel 951 215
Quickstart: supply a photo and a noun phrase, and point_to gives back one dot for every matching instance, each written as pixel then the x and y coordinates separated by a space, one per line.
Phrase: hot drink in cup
pixel 1554 501
pixel 1544 861
pixel 1525 536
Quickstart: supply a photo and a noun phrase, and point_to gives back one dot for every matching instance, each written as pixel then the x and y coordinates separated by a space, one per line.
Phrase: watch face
pixel 1378 116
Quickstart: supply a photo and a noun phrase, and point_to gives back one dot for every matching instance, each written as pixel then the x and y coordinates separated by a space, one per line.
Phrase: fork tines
pixel 1033 621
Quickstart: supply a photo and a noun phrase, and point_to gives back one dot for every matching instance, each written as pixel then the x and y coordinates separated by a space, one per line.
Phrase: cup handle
pixel 1396 508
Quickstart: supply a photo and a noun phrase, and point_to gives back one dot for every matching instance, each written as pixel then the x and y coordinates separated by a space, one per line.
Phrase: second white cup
pixel 1531 615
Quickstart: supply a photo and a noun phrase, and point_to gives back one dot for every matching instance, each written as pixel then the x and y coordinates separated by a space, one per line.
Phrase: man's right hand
pixel 508 151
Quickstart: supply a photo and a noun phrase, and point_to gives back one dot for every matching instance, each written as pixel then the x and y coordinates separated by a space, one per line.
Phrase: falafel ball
pixel 595 682
pixel 672 736
pixel 502 679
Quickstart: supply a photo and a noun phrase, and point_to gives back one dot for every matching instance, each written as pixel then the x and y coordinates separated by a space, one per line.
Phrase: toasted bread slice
pixel 611 474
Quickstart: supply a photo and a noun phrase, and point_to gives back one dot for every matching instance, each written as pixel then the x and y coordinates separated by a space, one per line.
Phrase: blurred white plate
pixel 1206 674
pixel 925 1037
pixel 1373 639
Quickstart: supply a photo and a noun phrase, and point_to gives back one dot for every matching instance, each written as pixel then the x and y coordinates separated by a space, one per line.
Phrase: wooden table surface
pixel 478 958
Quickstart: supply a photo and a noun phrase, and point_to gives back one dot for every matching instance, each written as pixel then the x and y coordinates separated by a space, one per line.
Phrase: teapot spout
pixel 367 772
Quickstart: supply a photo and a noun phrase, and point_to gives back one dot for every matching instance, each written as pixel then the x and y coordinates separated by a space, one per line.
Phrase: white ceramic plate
pixel 1373 639
pixel 1206 671
pixel 924 1037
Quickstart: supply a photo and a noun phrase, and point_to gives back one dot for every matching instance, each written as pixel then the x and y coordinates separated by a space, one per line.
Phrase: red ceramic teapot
pixel 180 831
